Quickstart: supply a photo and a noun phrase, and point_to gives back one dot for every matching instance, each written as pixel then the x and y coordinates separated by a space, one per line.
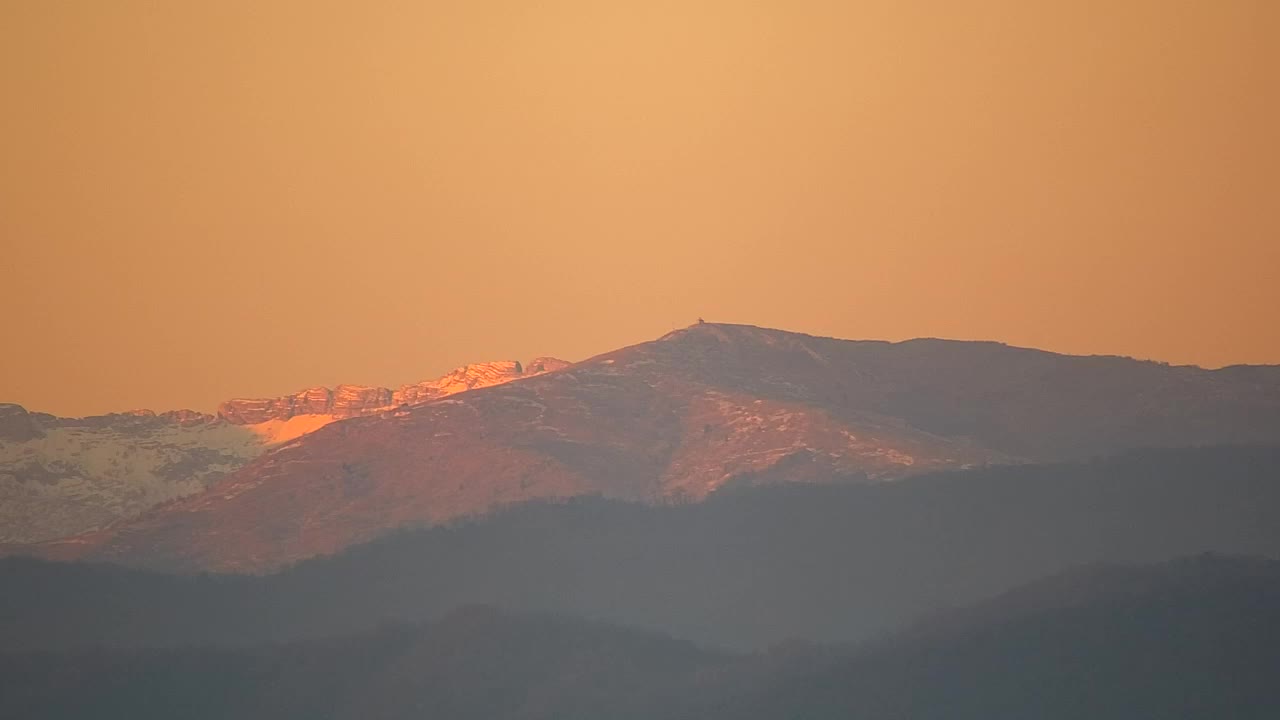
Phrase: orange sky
pixel 201 200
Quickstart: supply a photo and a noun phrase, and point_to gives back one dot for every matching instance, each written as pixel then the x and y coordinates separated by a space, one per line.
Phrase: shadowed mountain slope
pixel 474 663
pixel 747 567
pixel 1190 639
pixel 1194 638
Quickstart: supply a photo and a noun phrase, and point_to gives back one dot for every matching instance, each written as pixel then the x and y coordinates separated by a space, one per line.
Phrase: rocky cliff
pixel 341 402
pixel 17 425
pixel 347 401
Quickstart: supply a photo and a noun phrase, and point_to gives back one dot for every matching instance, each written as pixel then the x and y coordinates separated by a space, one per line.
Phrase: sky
pixel 204 200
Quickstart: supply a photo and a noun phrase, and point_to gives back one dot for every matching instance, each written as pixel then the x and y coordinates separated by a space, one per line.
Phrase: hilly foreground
pixel 676 419
pixel 1196 638
pixel 748 567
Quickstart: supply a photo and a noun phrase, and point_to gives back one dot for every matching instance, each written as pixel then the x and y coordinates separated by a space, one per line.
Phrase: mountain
pixel 61 476
pixel 1193 638
pixel 674 419
pixel 747 567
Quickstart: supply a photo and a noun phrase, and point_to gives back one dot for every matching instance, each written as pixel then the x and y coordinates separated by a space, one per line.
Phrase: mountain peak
pixel 743 334
pixel 702 328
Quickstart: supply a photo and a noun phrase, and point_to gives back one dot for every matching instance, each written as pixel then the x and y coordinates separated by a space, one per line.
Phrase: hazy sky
pixel 201 200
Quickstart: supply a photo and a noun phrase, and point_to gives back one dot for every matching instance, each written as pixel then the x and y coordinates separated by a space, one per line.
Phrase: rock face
pixel 17 425
pixel 61 476
pixel 342 402
pixel 675 419
pixel 187 418
pixel 468 377
pixel 348 401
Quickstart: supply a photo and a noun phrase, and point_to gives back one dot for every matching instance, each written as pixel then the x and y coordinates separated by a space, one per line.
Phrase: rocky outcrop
pixel 131 419
pixel 350 400
pixel 346 401
pixel 187 418
pixel 467 377
pixel 17 425
pixel 343 401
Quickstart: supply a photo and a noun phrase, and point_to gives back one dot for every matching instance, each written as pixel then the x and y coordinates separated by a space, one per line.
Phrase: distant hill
pixel 1190 639
pixel 1195 638
pixel 747 567
pixel 675 419
pixel 474 663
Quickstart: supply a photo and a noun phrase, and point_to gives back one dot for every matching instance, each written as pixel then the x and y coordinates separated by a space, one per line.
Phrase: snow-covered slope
pixel 70 475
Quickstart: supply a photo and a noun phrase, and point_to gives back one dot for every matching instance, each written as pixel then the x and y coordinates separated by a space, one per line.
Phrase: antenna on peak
pixel 701 321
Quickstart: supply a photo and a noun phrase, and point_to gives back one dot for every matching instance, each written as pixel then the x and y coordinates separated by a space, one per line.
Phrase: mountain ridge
pixel 676 418
pixel 60 476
